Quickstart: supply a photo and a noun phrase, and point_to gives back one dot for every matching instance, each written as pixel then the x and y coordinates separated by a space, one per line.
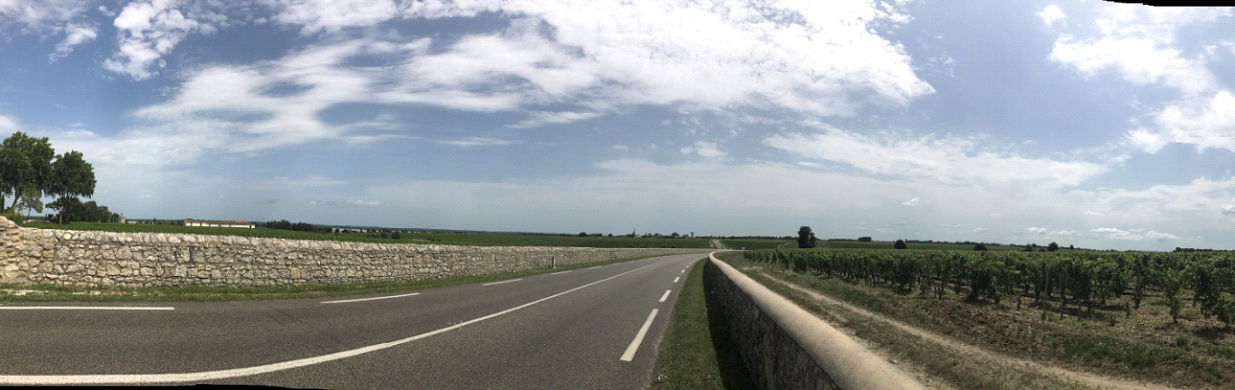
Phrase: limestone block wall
pixel 72 258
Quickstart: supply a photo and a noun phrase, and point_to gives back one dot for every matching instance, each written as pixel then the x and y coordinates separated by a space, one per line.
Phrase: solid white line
pixel 675 280
pixel 371 299
pixel 666 296
pixel 84 308
pixel 246 371
pixel 559 272
pixel 634 344
pixel 502 282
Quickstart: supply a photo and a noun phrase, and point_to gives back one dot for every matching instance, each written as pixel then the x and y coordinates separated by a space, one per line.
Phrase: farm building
pixel 236 224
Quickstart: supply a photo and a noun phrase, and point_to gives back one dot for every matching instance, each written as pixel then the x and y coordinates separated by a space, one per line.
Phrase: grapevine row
pixel 1083 279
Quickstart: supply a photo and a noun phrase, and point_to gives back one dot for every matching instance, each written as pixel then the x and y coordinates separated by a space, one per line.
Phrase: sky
pixel 1086 123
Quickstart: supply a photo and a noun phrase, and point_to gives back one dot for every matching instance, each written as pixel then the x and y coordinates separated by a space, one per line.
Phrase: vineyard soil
pixel 982 344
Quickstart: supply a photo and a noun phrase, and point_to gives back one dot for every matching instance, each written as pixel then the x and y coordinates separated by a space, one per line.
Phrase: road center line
pixel 675 280
pixel 666 296
pixel 502 282
pixel 371 299
pixel 634 344
pixel 247 371
pixel 560 272
pixel 84 308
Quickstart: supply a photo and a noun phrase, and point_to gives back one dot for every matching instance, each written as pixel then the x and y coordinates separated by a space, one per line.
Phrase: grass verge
pixel 695 353
pixel 18 293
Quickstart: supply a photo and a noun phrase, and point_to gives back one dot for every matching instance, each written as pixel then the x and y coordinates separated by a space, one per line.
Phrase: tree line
pixel 30 169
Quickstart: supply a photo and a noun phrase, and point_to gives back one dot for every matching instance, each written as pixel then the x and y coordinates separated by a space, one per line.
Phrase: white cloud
pixel 541 118
pixel 912 202
pixel 928 158
pixel 1095 213
pixel 8 125
pixel 705 150
pixel 283 182
pixel 621 147
pixel 1135 234
pixel 40 15
pixel 147 30
pixel 76 35
pixel 1205 124
pixel 981 230
pixel 1139 42
pixel 1051 14
pixel 477 141
pixel 332 15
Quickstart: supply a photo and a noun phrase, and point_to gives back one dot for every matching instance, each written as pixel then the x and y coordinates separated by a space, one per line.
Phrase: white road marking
pixel 675 280
pixel 370 299
pixel 247 371
pixel 84 308
pixel 666 296
pixel 502 282
pixel 634 344
pixel 559 272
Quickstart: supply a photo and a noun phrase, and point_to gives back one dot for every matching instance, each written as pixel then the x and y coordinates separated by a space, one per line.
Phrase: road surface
pixel 594 328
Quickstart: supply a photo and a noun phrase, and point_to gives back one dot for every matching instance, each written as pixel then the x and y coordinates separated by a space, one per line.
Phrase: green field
pixel 756 243
pixel 470 239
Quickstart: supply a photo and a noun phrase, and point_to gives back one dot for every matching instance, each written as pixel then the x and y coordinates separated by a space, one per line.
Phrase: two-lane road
pixel 587 328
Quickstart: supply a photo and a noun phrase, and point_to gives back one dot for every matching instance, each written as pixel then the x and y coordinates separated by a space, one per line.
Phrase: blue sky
pixel 1085 123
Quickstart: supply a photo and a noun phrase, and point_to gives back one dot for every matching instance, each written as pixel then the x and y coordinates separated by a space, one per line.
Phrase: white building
pixel 235 224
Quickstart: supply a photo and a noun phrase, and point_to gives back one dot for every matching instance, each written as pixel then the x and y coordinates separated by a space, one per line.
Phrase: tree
pixel 806 238
pixel 396 235
pixel 979 247
pixel 71 176
pixel 582 234
pixel 864 239
pixel 1052 247
pixel 900 244
pixel 25 163
pixel 31 200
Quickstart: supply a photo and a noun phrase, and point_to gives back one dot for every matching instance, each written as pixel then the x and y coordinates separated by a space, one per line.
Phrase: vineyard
pixel 1083 280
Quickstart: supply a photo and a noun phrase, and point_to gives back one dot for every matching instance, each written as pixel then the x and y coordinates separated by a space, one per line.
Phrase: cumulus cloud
pixel 1135 234
pixel 705 150
pixel 1204 124
pixel 40 15
pixel 1139 43
pixel 332 15
pixel 8 125
pixel 76 35
pixel 1051 14
pixel 150 29
pixel 929 158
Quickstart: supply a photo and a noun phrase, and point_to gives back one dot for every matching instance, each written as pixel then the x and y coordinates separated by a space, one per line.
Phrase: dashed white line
pixel 666 296
pixel 560 272
pixel 634 344
pixel 84 308
pixel 675 280
pixel 502 282
pixel 371 299
pixel 247 371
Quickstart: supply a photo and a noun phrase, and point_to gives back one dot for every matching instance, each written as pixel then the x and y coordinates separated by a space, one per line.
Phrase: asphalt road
pixel 576 329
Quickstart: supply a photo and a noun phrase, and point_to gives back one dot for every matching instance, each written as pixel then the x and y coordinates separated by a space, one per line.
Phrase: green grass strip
pixel 214 294
pixel 695 353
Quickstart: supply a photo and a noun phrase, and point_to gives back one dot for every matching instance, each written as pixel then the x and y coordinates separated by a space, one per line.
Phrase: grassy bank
pixel 695 353
pixel 470 239
pixel 16 293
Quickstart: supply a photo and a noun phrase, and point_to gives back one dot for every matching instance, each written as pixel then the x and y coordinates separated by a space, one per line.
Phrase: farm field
pixel 756 243
pixel 470 239
pixel 1092 331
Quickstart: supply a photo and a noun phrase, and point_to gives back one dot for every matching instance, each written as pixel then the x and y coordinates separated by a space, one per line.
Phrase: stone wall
pixel 77 258
pixel 773 359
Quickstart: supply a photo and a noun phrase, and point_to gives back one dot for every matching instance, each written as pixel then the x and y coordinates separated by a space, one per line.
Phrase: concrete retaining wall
pixel 786 347
pixel 73 258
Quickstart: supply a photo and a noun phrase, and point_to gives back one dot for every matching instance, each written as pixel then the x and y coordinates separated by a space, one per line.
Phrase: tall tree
pixel 806 238
pixel 25 163
pixel 71 176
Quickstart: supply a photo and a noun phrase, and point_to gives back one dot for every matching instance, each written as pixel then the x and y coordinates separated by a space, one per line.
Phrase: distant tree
pixel 582 234
pixel 1052 247
pixel 1028 248
pixel 65 207
pixel 610 235
pixel 396 235
pixel 979 247
pixel 674 235
pixel 71 176
pixel 806 238
pixel 900 244
pixel 385 235
pixel 864 239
